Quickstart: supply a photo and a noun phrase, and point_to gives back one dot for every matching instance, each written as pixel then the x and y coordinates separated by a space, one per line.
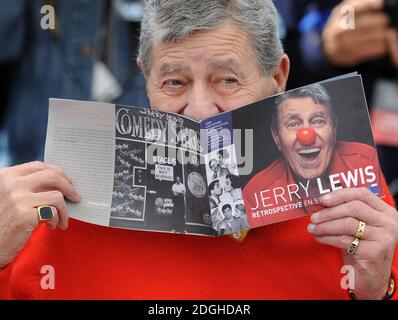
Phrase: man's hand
pixel 23 188
pixel 367 41
pixel 338 222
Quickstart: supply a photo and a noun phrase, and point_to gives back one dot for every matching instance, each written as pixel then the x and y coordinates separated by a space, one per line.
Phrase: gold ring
pixel 353 246
pixel 46 213
pixel 361 230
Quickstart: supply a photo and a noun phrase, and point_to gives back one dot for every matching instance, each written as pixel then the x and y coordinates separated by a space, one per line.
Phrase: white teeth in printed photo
pixel 309 151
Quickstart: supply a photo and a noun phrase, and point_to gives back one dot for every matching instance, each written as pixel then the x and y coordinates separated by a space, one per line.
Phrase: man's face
pixel 228 185
pixel 217 189
pixel 208 73
pixel 178 180
pixel 308 161
pixel 214 166
pixel 227 213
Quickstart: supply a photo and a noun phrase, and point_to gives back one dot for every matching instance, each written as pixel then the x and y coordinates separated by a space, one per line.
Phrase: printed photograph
pixel 225 197
pixel 307 146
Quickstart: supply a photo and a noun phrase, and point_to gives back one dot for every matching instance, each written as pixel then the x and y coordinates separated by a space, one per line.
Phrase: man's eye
pixel 173 83
pixel 319 122
pixel 228 80
pixel 292 125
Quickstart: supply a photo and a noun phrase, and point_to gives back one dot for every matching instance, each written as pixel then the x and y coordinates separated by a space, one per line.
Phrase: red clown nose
pixel 306 136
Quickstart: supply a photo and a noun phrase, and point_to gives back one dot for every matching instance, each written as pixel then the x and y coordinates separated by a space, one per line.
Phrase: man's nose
pixel 201 103
pixel 306 136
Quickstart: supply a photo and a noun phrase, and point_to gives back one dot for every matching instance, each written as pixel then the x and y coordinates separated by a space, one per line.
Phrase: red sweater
pixel 281 261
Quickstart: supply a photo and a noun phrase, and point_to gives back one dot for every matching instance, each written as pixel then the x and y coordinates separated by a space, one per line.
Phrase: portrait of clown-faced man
pixel 304 130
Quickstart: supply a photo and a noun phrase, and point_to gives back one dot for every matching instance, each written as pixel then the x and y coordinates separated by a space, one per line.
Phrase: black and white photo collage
pixel 226 201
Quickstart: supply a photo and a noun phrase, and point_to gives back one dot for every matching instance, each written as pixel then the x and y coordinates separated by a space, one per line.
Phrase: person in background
pixel 87 56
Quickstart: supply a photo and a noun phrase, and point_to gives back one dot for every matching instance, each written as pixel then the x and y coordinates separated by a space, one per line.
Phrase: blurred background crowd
pixel 90 55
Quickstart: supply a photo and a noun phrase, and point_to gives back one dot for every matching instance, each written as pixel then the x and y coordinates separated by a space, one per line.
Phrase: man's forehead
pixel 172 67
pixel 224 63
pixel 303 105
pixel 185 66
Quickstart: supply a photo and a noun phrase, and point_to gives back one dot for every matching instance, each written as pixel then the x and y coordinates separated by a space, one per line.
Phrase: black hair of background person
pixel 348 101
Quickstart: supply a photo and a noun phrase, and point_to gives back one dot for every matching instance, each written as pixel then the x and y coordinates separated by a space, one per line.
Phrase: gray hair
pixel 315 91
pixel 167 21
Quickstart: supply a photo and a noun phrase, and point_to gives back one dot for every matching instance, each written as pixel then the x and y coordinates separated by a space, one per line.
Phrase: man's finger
pixel 36 166
pixel 367 49
pixel 54 199
pixel 60 172
pixel 55 221
pixel 353 209
pixel 360 6
pixel 365 247
pixel 49 179
pixel 345 226
pixel 27 168
pixel 345 195
pixel 370 37
pixel 369 21
pixel 374 51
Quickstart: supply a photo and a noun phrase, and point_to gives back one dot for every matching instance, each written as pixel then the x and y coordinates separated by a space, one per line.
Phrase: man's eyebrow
pixel 293 116
pixel 289 116
pixel 171 67
pixel 319 114
pixel 227 64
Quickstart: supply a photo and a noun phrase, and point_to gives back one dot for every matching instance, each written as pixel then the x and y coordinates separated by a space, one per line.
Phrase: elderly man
pixel 199 58
pixel 304 128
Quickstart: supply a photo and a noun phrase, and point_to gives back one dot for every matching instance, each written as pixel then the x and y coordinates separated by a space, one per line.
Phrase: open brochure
pixel 267 162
